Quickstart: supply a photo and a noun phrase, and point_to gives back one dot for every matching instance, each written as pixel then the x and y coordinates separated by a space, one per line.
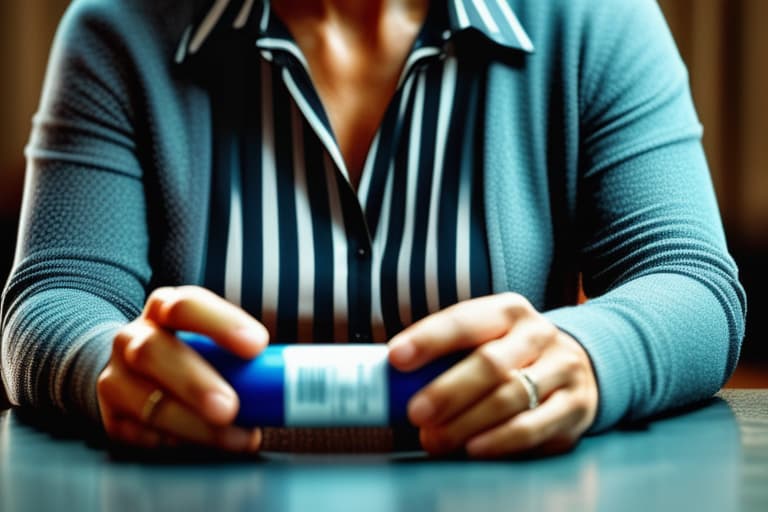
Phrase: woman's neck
pixel 342 9
pixel 350 16
pixel 356 51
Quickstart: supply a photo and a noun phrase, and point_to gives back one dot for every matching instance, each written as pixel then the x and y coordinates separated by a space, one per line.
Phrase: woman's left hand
pixel 481 404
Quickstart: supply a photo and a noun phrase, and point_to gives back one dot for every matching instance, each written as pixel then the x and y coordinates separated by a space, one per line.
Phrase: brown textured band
pixel 339 440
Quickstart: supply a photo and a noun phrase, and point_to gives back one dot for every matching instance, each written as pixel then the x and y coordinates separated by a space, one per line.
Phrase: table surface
pixel 713 457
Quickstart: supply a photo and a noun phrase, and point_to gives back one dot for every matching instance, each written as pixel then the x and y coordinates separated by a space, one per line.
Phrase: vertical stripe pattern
pixel 290 238
pixel 270 215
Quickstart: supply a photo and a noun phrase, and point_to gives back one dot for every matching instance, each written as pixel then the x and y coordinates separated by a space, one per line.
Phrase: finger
pixel 129 431
pixel 488 367
pixel 462 326
pixel 555 446
pixel 125 395
pixel 195 309
pixel 557 417
pixel 504 402
pixel 175 418
pixel 462 385
pixel 176 367
pixel 111 391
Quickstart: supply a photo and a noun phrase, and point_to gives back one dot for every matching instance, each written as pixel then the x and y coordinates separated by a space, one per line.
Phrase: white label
pixel 336 386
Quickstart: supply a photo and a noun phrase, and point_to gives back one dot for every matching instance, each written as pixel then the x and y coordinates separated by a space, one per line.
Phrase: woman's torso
pixel 316 256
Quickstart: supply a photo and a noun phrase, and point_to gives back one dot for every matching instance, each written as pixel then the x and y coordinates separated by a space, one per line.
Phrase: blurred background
pixel 724 43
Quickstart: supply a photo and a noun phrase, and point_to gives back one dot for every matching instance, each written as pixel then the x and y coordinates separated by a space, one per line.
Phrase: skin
pixel 356 52
pixel 479 406
pixel 198 406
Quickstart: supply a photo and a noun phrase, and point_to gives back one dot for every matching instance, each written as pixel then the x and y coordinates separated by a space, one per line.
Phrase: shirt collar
pixel 220 16
pixel 494 19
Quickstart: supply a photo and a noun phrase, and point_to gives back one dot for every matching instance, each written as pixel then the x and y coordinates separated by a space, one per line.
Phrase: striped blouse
pixel 289 238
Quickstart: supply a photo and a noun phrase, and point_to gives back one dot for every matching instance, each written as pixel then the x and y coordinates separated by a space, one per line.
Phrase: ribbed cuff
pixel 91 357
pixel 600 333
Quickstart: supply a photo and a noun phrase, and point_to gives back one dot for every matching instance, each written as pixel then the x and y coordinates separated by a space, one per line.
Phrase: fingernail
pixel 253 335
pixel 402 352
pixel 421 409
pixel 237 439
pixel 220 406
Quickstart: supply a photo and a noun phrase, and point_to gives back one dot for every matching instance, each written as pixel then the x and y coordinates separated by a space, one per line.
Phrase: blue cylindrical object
pixel 318 385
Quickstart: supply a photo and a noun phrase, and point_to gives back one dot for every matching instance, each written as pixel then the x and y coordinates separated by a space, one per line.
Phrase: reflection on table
pixel 689 461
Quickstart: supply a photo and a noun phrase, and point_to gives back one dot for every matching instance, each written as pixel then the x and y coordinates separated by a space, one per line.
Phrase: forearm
pixel 73 284
pixel 54 345
pixel 656 342
pixel 82 264
pixel 666 319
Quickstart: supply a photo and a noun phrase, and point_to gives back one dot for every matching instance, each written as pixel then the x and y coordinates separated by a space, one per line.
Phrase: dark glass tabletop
pixel 711 457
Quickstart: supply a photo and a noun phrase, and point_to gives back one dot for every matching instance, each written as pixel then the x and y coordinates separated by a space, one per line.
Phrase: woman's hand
pixel 480 405
pixel 156 390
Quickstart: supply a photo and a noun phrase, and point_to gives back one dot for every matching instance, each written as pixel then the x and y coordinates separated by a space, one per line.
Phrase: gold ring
pixel 150 405
pixel 531 389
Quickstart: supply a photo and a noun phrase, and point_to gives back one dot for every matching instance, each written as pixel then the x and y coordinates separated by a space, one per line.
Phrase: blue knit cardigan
pixel 593 167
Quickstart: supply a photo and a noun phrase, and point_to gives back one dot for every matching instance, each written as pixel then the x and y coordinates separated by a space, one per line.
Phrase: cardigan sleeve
pixel 81 267
pixel 666 317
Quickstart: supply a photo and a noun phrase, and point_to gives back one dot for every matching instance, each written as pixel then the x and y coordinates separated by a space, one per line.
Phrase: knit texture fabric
pixel 592 164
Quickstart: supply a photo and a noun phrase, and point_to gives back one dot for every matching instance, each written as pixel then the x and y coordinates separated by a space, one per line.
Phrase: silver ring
pixel 150 405
pixel 530 387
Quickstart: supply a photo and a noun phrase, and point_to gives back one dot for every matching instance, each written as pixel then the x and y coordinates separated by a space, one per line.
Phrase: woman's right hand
pixel 194 405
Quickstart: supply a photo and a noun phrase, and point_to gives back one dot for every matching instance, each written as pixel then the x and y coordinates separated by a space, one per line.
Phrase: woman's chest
pixel 314 257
